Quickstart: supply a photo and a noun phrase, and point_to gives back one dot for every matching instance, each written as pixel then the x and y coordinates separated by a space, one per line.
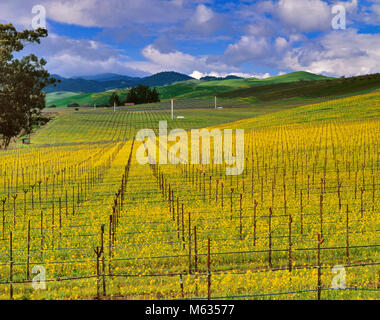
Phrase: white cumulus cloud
pixel 157 61
pixel 197 74
pixel 338 53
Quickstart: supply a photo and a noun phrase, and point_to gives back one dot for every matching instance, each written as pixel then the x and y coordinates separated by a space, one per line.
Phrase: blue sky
pixel 203 37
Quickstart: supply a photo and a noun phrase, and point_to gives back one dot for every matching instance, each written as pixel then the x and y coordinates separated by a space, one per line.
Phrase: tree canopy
pixel 114 99
pixel 143 94
pixel 21 82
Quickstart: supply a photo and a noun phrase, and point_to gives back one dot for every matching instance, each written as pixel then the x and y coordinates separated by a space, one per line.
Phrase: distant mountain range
pixel 107 77
pixel 109 81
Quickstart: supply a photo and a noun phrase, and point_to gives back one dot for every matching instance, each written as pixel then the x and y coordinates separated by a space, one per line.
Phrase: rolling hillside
pixel 62 99
pixel 210 88
pixel 52 98
pixel 360 107
pixel 307 89
pixel 298 86
pixel 104 82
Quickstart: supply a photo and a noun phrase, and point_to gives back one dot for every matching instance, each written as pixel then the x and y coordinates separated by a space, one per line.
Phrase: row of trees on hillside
pixel 138 95
pixel 143 94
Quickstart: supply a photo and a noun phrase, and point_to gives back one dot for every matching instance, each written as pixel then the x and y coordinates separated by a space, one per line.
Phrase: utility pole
pixel 215 101
pixel 172 108
pixel 114 106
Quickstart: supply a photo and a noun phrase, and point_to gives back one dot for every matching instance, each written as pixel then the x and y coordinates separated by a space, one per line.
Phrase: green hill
pixel 164 78
pixel 295 76
pixel 359 107
pixel 62 99
pixel 191 88
pixel 307 89
pixel 210 88
pixel 52 98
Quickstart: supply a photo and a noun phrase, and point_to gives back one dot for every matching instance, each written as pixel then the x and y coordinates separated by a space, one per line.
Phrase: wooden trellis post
pixel 3 202
pixel 60 221
pixel 321 214
pixel 195 250
pixel 181 285
pixel 103 259
pixel 42 232
pixel 189 242
pixel 254 222
pixel 222 193
pixel 301 208
pixel 98 252
pixel 240 217
pixel 183 229
pixel 28 252
pixel 339 197
pixel 290 243
pixel 208 269
pixel 270 238
pixel 319 287
pixel 347 237
pixel 216 190
pixel 39 193
pixel 11 265
pixel 14 209
pixel 232 191
pixel 209 197
pixel 178 218
pixel 25 194
pixel 110 245
pixel 204 186
pixel 73 200
pixel 361 202
pixel 32 187
pixel 67 206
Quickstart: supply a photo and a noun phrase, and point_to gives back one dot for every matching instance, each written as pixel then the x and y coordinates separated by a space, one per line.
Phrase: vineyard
pixel 102 124
pixel 102 225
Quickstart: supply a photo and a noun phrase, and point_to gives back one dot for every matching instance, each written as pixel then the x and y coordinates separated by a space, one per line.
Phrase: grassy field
pixel 62 99
pixel 58 96
pixel 310 89
pixel 78 126
pixel 363 107
pixel 79 188
pixel 125 124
